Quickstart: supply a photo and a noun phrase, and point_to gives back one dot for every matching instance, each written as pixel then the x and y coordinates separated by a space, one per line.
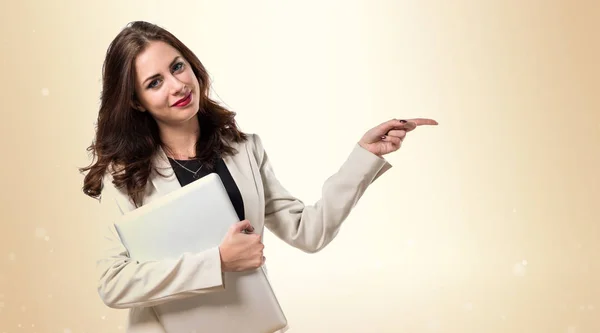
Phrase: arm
pixel 125 283
pixel 312 227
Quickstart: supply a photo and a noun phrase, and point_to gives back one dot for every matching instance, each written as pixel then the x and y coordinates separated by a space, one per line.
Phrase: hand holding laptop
pixel 241 250
pixel 197 217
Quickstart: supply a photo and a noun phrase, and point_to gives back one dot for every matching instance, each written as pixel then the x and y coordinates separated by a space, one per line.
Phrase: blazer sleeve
pixel 312 227
pixel 126 283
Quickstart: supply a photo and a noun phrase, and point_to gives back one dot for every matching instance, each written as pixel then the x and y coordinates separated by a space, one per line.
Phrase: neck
pixel 180 141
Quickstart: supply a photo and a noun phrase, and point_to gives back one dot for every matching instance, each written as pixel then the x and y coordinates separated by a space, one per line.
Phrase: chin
pixel 189 115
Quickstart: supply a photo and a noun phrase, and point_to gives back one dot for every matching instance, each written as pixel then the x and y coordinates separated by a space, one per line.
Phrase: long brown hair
pixel 126 140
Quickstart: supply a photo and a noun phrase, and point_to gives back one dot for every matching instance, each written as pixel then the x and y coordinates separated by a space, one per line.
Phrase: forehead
pixel 155 58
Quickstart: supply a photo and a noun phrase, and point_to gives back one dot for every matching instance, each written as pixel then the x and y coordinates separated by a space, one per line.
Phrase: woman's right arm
pixel 126 283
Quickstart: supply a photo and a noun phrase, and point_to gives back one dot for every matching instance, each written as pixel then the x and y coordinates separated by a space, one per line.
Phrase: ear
pixel 137 106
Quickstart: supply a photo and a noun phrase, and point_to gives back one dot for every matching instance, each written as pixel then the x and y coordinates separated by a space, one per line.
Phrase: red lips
pixel 184 101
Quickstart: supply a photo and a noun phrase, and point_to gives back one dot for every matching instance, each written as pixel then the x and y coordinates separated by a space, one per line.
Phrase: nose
pixel 177 87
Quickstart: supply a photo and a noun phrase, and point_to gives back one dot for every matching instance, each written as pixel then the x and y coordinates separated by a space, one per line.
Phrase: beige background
pixel 487 223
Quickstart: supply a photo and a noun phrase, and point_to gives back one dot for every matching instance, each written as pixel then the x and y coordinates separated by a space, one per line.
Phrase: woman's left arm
pixel 312 227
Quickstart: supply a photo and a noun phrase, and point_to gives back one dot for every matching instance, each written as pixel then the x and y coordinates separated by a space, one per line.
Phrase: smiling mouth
pixel 184 101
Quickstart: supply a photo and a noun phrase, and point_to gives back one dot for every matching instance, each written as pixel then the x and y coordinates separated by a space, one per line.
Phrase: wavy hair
pixel 126 140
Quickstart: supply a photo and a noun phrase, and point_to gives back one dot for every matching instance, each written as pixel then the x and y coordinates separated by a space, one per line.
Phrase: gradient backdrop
pixel 486 223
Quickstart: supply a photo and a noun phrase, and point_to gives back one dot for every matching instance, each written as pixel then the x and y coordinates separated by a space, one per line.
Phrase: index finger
pixel 422 121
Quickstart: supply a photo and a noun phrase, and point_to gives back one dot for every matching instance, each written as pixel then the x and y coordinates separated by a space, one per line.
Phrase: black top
pixel 186 177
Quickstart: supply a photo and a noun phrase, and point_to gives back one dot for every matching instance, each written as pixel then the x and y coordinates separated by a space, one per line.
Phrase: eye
pixel 153 84
pixel 178 66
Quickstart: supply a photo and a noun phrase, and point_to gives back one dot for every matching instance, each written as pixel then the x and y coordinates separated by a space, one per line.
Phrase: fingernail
pixel 402 121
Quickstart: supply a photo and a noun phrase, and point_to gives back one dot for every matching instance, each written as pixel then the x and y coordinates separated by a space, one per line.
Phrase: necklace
pixel 194 173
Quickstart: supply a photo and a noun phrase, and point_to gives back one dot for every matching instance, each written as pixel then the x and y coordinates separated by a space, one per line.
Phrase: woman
pixel 158 130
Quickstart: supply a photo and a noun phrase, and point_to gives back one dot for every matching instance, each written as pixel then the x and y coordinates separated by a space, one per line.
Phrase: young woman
pixel 158 130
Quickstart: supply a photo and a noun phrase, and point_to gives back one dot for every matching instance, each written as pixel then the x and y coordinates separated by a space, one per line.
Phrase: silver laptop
pixel 192 219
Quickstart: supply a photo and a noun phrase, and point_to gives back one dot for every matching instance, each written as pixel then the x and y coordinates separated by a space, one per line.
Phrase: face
pixel 165 85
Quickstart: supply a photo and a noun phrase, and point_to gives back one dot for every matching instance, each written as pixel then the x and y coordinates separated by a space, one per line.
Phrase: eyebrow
pixel 157 75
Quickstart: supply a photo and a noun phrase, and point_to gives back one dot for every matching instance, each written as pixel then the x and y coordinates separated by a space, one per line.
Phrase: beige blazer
pixel 127 284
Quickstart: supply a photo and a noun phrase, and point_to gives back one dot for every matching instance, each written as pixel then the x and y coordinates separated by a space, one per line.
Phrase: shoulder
pixel 254 145
pixel 254 140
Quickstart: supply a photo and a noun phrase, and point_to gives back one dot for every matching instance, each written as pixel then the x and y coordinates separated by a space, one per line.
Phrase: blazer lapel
pixel 164 185
pixel 239 167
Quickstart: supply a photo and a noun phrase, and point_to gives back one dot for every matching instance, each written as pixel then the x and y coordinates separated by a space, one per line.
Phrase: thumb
pixel 382 129
pixel 242 225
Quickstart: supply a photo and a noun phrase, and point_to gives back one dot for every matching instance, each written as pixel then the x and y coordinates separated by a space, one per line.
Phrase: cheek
pixel 190 77
pixel 155 100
